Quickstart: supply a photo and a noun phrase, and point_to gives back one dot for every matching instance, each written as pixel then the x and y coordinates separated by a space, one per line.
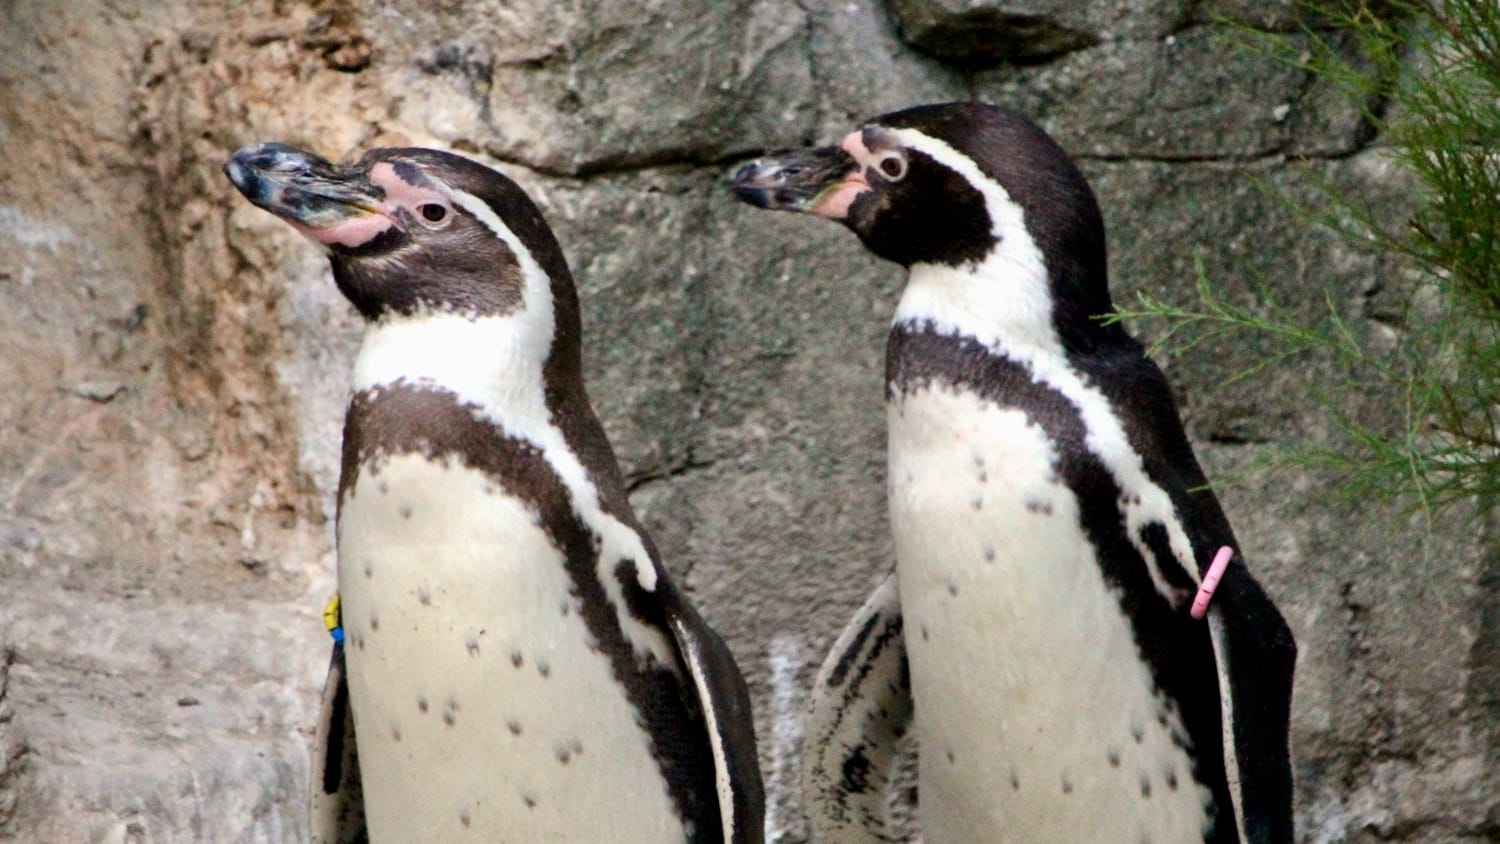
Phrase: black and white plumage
pixel 1050 519
pixel 862 711
pixel 517 665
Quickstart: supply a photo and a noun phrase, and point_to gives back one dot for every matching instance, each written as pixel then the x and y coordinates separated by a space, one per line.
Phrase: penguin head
pixel 407 230
pixel 947 184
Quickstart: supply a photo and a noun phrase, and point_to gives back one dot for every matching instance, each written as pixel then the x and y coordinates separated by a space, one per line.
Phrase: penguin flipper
pixel 1256 657
pixel 725 702
pixel 336 808
pixel 861 709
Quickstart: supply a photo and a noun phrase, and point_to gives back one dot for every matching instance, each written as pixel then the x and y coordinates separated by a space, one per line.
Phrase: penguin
pixel 516 664
pixel 1051 525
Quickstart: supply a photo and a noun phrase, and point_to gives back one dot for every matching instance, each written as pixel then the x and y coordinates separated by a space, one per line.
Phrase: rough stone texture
pixel 12 751
pixel 1187 96
pixel 860 67
pixel 978 33
pixel 595 85
pixel 177 363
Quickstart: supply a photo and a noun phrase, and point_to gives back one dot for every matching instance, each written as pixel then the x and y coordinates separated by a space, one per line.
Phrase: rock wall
pixel 176 361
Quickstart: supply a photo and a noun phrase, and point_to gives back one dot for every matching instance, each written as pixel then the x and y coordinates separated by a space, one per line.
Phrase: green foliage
pixel 1426 77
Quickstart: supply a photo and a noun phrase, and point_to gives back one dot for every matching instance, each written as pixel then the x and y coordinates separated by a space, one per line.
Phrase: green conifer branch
pixel 1426 77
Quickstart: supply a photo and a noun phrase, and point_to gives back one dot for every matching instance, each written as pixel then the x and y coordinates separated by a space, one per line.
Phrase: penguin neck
pixel 492 362
pixel 1003 302
pixel 1009 302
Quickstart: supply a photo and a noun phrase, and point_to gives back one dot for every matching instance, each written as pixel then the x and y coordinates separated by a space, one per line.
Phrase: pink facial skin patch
pixel 1211 582
pixel 365 227
pixel 835 203
pixel 399 192
pixel 350 233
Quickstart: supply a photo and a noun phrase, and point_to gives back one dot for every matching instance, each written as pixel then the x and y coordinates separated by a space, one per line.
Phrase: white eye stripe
pixel 1004 213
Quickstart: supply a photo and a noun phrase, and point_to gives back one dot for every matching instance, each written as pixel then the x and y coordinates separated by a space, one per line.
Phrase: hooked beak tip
pixel 753 196
pixel 748 186
pixel 744 173
pixel 237 174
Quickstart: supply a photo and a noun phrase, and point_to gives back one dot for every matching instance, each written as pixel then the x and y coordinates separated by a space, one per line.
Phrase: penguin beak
pixel 330 204
pixel 818 181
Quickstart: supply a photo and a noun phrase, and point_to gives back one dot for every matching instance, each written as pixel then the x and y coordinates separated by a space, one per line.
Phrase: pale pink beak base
pixel 834 204
pixel 351 233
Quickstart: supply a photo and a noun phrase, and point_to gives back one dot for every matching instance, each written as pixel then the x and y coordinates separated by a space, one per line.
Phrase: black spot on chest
pixel 854 776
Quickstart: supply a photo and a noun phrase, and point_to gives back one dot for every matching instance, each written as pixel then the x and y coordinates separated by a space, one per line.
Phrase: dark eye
pixel 892 166
pixel 433 212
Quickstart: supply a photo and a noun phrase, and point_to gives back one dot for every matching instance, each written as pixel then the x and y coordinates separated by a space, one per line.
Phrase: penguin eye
pixel 434 214
pixel 892 165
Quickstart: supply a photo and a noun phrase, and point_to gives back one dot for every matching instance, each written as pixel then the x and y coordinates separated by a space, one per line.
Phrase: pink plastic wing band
pixel 1211 581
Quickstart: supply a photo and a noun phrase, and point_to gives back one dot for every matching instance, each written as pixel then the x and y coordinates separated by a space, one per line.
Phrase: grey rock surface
pixel 176 367
pixel 597 85
pixel 860 67
pixel 980 33
pixel 1187 96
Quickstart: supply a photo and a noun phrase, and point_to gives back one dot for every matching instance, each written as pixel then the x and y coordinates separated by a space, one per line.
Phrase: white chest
pixel 483 708
pixel 1036 717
